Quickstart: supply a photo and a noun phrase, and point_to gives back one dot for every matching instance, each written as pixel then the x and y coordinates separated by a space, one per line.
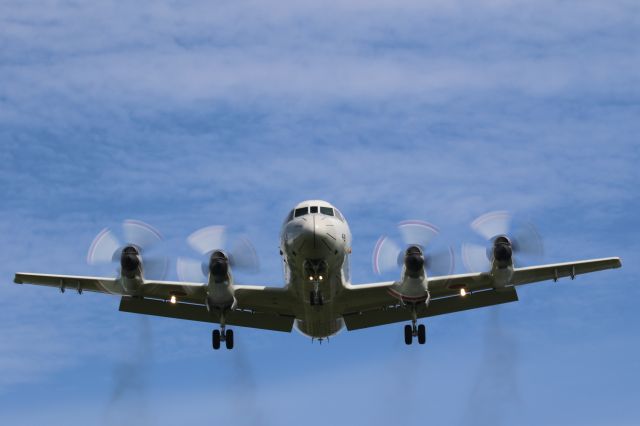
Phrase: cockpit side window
pixel 326 210
pixel 301 211
pixel 313 209
pixel 339 215
pixel 289 216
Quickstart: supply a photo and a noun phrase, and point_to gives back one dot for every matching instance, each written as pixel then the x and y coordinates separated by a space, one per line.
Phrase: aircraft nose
pixel 315 237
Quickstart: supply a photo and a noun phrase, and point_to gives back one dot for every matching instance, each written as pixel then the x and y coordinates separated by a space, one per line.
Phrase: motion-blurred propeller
pixel 241 254
pixel 494 227
pixel 389 255
pixel 135 238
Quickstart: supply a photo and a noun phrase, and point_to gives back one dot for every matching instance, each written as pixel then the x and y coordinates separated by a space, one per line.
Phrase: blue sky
pixel 187 114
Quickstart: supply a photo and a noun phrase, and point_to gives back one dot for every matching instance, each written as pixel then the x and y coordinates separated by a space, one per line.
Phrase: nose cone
pixel 314 237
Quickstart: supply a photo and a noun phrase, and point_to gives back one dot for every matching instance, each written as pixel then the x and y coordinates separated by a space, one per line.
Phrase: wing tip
pixel 17 279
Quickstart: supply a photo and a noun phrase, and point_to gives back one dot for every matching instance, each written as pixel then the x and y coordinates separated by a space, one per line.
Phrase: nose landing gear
pixel 315 297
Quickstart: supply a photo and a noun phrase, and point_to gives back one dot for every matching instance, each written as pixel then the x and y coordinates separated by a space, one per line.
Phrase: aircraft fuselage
pixel 315 245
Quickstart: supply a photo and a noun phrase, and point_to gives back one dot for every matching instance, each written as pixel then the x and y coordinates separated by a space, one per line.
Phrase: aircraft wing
pixel 358 302
pixel 262 307
pixel 192 292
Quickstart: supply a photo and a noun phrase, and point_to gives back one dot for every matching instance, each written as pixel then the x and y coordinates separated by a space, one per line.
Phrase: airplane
pixel 318 298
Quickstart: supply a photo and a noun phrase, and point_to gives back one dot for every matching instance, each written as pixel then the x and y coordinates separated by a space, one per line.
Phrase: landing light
pixel 173 299
pixel 311 278
pixel 320 277
pixel 463 292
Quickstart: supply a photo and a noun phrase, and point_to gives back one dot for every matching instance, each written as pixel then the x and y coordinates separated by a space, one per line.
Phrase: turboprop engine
pixel 507 243
pixel 414 262
pixel 219 266
pixel 135 247
pixel 502 251
pixel 130 262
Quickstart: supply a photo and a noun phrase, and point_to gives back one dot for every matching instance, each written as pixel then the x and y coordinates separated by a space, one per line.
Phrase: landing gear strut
pixel 222 335
pixel 415 330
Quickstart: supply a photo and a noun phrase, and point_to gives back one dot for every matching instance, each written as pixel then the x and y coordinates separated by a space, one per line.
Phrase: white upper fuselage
pixel 315 243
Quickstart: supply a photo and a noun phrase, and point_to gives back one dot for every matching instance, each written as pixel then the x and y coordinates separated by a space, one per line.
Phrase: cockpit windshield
pixel 327 211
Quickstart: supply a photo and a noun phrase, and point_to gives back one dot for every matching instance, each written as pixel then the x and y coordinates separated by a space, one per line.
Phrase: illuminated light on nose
pixel 173 299
pixel 463 292
pixel 320 277
pixel 311 278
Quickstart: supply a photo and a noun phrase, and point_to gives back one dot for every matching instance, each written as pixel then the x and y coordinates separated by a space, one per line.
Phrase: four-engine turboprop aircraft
pixel 318 297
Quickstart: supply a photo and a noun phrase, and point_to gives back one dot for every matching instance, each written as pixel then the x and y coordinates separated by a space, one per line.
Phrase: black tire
pixel 312 298
pixel 228 339
pixel 408 334
pixel 422 334
pixel 215 339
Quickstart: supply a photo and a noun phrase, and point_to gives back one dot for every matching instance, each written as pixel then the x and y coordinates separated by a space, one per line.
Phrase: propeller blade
pixel 416 232
pixel 156 268
pixel 103 248
pixel 492 224
pixel 474 257
pixel 527 241
pixel 385 255
pixel 190 270
pixel 207 239
pixel 243 256
pixel 140 234
pixel 440 262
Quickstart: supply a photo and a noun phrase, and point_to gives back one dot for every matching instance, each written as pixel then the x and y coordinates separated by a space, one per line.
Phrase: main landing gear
pixel 222 335
pixel 415 330
pixel 411 331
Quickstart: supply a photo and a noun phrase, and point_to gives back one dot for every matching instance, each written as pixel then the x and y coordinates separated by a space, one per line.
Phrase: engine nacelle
pixel 221 301
pixel 130 262
pixel 502 252
pixel 414 262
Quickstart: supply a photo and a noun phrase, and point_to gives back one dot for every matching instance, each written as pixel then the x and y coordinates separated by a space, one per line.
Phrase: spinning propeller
pixel 519 242
pixel 210 243
pixel 389 255
pixel 137 242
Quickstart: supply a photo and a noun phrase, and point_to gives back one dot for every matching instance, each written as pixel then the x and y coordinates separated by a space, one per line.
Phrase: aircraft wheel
pixel 422 334
pixel 408 334
pixel 312 298
pixel 215 339
pixel 228 339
